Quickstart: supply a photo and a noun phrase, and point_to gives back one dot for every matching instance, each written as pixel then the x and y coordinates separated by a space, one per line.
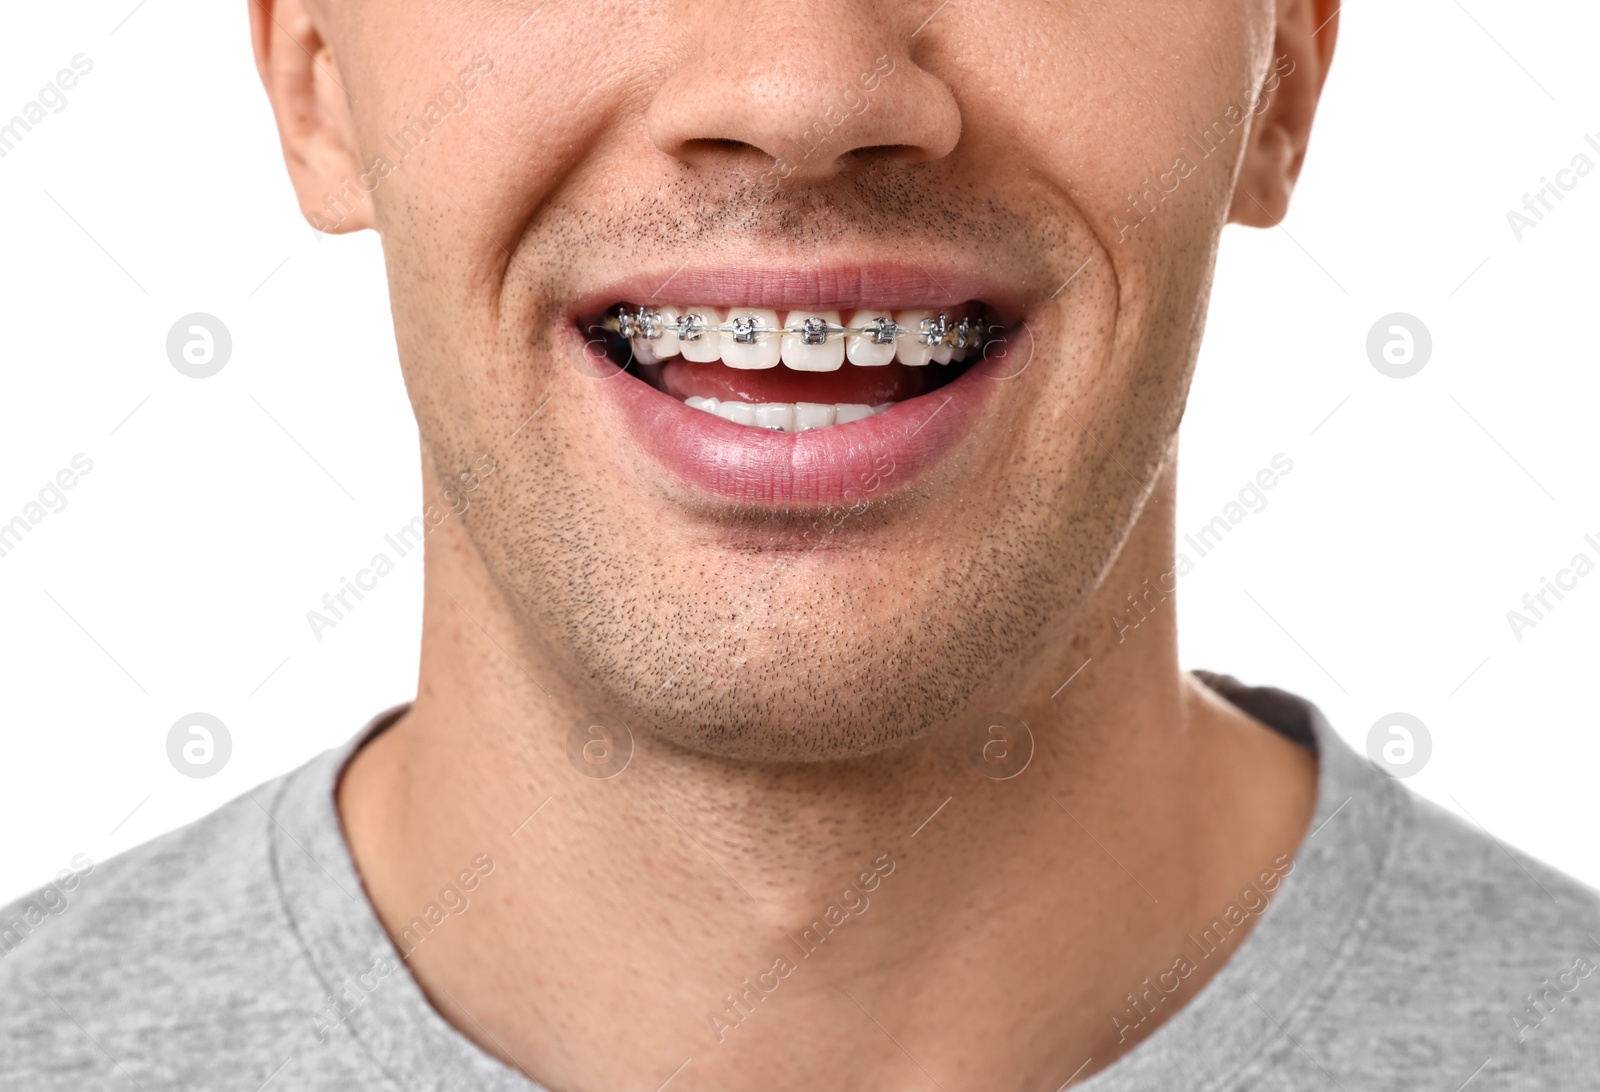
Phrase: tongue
pixel 862 386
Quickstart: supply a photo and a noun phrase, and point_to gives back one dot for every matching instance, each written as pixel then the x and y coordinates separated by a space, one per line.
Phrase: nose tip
pixel 824 89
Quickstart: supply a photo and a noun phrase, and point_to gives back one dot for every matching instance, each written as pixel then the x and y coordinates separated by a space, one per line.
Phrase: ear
pixel 316 128
pixel 1301 54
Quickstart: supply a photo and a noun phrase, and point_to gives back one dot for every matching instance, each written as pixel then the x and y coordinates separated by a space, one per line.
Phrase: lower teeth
pixel 786 416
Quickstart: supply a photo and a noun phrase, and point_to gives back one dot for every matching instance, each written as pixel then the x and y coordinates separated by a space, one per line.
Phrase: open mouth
pixel 786 388
pixel 796 370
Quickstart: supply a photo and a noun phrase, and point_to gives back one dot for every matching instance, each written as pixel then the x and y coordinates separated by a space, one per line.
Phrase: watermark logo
pixel 1399 345
pixel 600 747
pixel 199 745
pixel 1003 360
pixel 1399 744
pixel 1000 746
pixel 199 345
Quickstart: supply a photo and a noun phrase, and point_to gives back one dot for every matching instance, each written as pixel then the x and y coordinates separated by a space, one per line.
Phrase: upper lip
pixel 886 286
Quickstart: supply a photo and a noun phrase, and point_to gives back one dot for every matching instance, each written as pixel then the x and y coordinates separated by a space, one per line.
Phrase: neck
pixel 905 911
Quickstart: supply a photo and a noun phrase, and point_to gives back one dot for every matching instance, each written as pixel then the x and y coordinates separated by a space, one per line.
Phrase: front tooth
pixel 740 413
pixel 846 412
pixel 708 348
pixel 763 352
pixel 800 357
pixel 810 415
pixel 862 350
pixel 908 348
pixel 776 415
pixel 943 353
pixel 696 402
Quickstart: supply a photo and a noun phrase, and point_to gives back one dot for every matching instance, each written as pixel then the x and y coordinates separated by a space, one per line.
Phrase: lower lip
pixel 840 464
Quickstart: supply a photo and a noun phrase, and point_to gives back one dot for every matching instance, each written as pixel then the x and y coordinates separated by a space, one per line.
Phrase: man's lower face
pixel 793 550
pixel 789 471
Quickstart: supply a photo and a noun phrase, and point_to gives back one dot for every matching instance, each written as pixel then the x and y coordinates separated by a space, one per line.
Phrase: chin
pixel 781 710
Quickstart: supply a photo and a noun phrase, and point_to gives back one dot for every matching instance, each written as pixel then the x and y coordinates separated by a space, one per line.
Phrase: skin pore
pixel 801 685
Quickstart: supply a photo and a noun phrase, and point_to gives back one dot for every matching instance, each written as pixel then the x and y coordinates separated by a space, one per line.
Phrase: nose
pixel 805 89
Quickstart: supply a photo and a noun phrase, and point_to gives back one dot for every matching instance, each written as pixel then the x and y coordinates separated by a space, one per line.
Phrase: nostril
pixel 723 144
pixel 888 153
pixel 710 148
pixel 711 153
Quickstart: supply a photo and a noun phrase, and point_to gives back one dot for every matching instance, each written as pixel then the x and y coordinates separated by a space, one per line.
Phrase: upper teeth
pixel 814 341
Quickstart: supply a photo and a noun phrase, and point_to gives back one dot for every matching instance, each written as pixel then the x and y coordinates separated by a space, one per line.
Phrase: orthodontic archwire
pixel 649 325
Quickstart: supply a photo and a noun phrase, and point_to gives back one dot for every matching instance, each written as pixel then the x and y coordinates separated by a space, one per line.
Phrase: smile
pixel 795 396
pixel 703 356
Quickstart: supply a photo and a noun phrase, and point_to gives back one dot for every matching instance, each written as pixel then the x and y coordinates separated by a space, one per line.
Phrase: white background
pixel 1377 580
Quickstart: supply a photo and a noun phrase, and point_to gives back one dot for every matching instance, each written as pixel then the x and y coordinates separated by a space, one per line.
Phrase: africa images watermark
pixel 1252 498
pixel 50 499
pixel 349 993
pixel 1539 1008
pixel 1566 580
pixel 402 542
pixel 49 901
pixel 853 102
pixel 52 96
pixel 352 991
pixel 883 468
pixel 1152 195
pixel 1147 1000
pixel 739 1005
pixel 1538 203
pixel 450 99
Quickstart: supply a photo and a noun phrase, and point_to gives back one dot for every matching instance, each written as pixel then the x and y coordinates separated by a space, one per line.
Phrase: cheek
pixel 532 115
pixel 1126 102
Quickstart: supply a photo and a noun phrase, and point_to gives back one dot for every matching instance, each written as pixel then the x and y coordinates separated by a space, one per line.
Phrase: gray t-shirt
pixel 1405 950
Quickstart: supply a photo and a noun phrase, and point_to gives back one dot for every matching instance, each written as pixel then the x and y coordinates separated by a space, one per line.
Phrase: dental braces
pixel 648 325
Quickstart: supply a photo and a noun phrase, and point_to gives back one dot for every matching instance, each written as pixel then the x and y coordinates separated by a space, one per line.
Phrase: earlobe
pixel 1267 177
pixel 312 108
